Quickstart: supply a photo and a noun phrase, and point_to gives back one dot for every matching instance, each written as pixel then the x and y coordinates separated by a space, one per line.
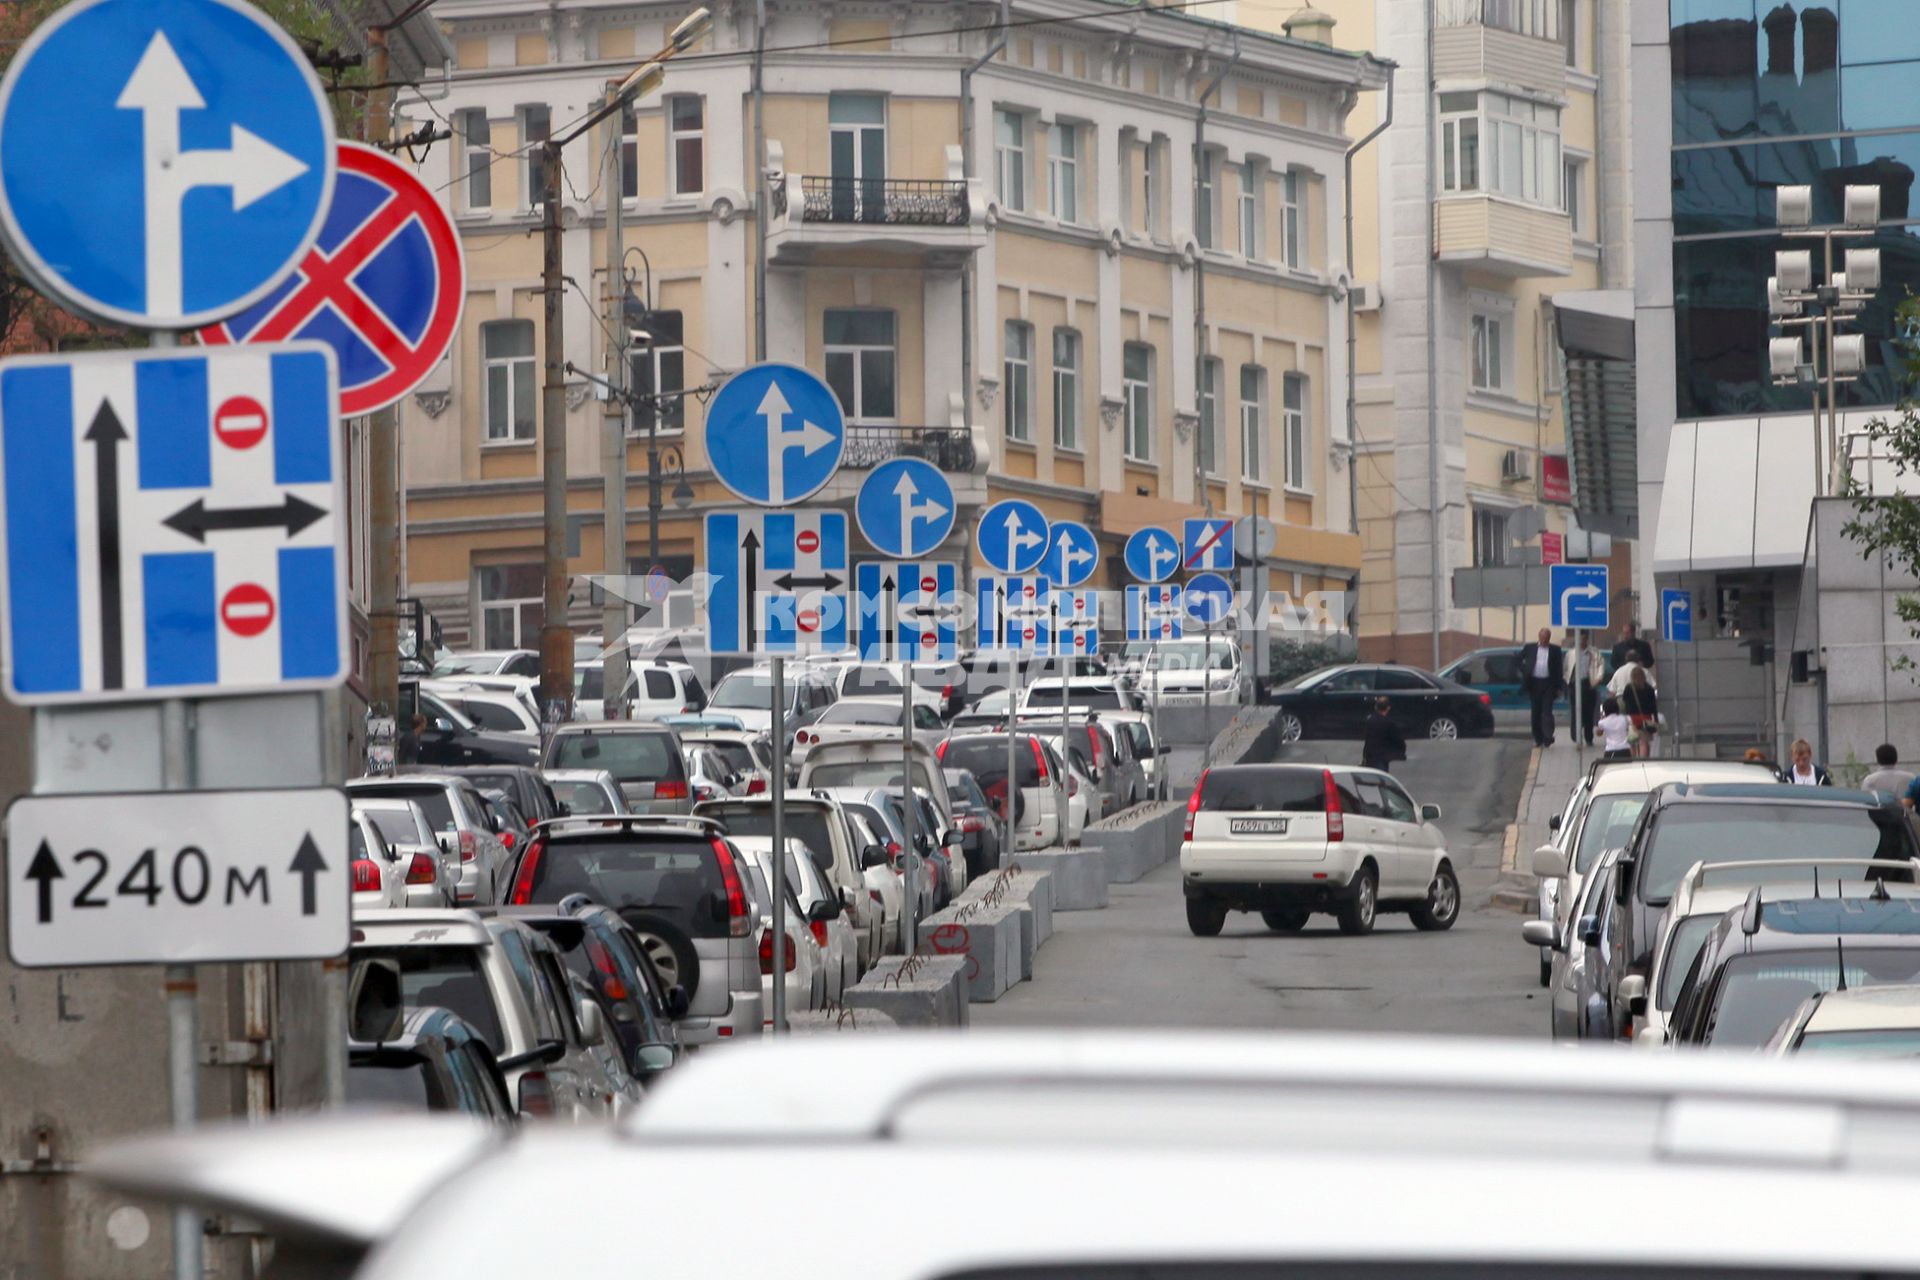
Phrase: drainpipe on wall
pixel 1202 494
pixel 761 199
pixel 1353 414
pixel 1433 353
pixel 968 169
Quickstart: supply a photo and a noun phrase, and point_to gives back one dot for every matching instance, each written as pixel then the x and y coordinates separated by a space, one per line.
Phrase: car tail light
pixel 1094 745
pixel 819 930
pixel 469 846
pixel 1336 816
pixel 757 787
pixel 766 954
pixel 507 838
pixel 1486 699
pixel 1193 801
pixel 940 752
pixel 420 870
pixel 610 984
pixel 366 875
pixel 1073 785
pixel 874 896
pixel 523 877
pixel 737 926
pixel 672 790
pixel 536 1094
pixel 1039 758
pixel 972 822
pixel 801 737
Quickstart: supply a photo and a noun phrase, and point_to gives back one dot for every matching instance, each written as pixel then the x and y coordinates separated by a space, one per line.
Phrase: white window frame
pixel 629 154
pixel 1253 423
pixel 675 136
pixel 477 152
pixel 1250 180
pixel 533 184
pixel 1292 221
pixel 1518 153
pixel 1063 171
pixel 1016 365
pixel 1010 158
pixel 516 367
pixel 1491 542
pixel 1137 393
pixel 1206 198
pixel 509 605
pixel 1149 201
pixel 670 414
pixel 1207 400
pixel 1066 389
pixel 1295 397
pixel 858 351
pixel 1488 358
pixel 1573 191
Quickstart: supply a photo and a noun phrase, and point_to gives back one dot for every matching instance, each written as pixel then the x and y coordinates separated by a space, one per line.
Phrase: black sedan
pixel 1334 702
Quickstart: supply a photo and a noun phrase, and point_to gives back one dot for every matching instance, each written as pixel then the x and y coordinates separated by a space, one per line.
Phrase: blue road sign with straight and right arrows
pixel 1578 596
pixel 1152 554
pixel 1154 612
pixel 172 523
pixel 1012 612
pixel 163 163
pixel 1207 544
pixel 905 508
pixel 907 611
pixel 1072 553
pixel 1676 615
pixel 777 582
pixel 1013 536
pixel 775 434
pixel 1208 599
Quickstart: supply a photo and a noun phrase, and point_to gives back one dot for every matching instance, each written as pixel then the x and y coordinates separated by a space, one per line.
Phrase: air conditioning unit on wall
pixel 1515 466
pixel 1366 296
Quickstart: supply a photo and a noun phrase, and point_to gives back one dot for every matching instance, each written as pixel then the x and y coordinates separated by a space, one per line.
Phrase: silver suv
pixel 646 758
pixel 676 882
pixel 458 817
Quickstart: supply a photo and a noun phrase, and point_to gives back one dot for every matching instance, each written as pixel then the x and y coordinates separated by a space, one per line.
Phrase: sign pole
pixel 907 814
pixel 1066 745
pixel 1154 667
pixel 1206 693
pixel 778 875
pixel 1578 698
pixel 1013 698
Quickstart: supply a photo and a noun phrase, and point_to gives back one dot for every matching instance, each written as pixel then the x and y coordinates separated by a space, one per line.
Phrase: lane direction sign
pixel 1152 554
pixel 905 508
pixel 1013 536
pixel 172 524
pixel 177 877
pixel 1075 619
pixel 384 285
pixel 1676 615
pixel 1208 599
pixel 1207 544
pixel 775 434
pixel 1578 596
pixel 778 583
pixel 163 163
pixel 1155 612
pixel 1013 613
pixel 1072 553
pixel 908 611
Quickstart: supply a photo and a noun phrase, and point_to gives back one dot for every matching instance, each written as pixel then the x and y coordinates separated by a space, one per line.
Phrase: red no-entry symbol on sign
pixel 240 422
pixel 247 610
pixel 807 541
pixel 809 620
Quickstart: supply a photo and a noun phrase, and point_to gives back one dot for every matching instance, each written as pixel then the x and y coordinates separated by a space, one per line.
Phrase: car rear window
pixel 450 977
pixel 1265 789
pixel 582 797
pixel 590 683
pixel 1097 699
pixel 866 773
pixel 804 823
pixel 1761 991
pixel 861 713
pixel 674 877
pixel 630 757
pixel 391 1081
pixel 984 755
pixel 869 681
pixel 396 825
pixel 1754 832
pixel 433 801
pixel 493 716
pixel 738 756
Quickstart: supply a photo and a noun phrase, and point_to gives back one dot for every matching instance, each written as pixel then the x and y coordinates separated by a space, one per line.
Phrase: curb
pixel 1516 890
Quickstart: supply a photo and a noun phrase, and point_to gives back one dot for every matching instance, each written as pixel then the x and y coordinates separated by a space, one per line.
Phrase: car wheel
pixel 1205 918
pixel 1286 920
pixel 1443 728
pixel 1292 728
pixel 1442 906
pixel 1356 913
pixel 669 947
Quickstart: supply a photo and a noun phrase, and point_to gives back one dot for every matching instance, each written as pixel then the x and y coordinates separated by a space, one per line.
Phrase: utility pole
pixel 384 497
pixel 556 634
pixel 613 443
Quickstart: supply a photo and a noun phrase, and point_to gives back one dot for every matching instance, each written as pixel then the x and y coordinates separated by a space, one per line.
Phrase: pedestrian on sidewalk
pixel 1383 744
pixel 1543 674
pixel 1642 706
pixel 1803 772
pixel 1591 676
pixel 1887 778
pixel 1616 733
pixel 1632 647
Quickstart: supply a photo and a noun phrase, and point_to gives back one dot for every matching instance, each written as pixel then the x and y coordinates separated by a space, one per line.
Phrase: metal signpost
pixel 1577 599
pixel 1208 600
pixel 1676 624
pixel 775 435
pixel 1012 538
pixel 1072 555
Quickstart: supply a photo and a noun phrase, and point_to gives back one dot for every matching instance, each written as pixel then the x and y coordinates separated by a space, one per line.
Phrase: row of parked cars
pixel 1706 904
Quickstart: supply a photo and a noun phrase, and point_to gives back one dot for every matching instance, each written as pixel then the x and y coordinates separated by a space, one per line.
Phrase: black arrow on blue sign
pixel 106 435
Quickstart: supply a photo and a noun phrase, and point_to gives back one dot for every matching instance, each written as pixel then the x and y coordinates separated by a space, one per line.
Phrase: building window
pixel 1017 380
pixel 1489 340
pixel 1066 389
pixel 658 369
pixel 1253 422
pixel 629 154
pixel 1136 388
pixel 1209 397
pixel 1010 157
pixel 1205 183
pixel 1569 30
pixel 536 126
pixel 1573 194
pixel 1538 18
pixel 1293 416
pixel 1522 153
pixel 686 145
pixel 1290 226
pixel 1489 537
pixel 511 606
pixel 506 353
pixel 1063 171
pixel 477 141
pixel 857 155
pixel 1149 186
pixel 1250 210
pixel 860 364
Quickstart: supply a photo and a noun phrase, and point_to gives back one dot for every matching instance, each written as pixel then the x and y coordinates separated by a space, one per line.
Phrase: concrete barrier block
pixel 989 938
pixel 1139 840
pixel 1078 877
pixel 1030 889
pixel 843 1021
pixel 917 991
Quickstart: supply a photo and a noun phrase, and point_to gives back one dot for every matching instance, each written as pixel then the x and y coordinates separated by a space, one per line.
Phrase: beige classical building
pixel 991 241
pixel 1499 185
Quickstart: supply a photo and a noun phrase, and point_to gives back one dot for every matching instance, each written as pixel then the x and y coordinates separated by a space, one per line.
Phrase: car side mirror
pixel 955 837
pixel 1540 933
pixel 1553 823
pixel 678 1002
pixel 1590 930
pixel 1633 995
pixel 1429 813
pixel 1622 880
pixel 652 1059
pixel 1550 863
pixel 446 842
pixel 873 856
pixel 593 1027
pixel 823 910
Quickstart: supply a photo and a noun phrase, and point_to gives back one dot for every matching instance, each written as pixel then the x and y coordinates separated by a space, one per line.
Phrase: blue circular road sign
pixel 905 508
pixel 1152 554
pixel 1072 553
pixel 163 163
pixel 1013 536
pixel 1208 598
pixel 775 434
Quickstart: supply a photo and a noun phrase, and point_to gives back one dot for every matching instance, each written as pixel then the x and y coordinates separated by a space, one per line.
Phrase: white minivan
pixel 1041 790
pixel 1288 840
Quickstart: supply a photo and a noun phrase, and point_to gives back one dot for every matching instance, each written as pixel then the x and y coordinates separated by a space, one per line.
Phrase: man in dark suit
pixel 1543 673
pixel 1383 743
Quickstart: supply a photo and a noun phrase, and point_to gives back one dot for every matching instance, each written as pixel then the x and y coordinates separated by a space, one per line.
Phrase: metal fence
pixel 948 448
pixel 888 201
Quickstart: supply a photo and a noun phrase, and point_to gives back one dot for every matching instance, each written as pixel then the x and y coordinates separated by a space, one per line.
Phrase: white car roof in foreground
pixel 1643 776
pixel 1895 1007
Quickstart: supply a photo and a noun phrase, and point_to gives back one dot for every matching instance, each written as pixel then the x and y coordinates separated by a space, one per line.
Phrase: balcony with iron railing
pixel 1512 42
pixel 961 451
pixel 811 215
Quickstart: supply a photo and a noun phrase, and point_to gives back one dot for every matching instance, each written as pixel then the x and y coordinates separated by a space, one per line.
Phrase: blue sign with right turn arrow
pixel 1579 596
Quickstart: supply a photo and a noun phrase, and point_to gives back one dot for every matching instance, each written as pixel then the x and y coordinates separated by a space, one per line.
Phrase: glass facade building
pixel 1767 94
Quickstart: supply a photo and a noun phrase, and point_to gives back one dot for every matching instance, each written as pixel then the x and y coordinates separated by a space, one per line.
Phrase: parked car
pixel 402 826
pixel 378 874
pixel 748 694
pixel 897 877
pixel 1577 1006
pixel 1496 673
pixel 489 662
pixel 823 916
pixel 1193 672
pixel 1039 810
pixel 1085 804
pixel 1880 1023
pixel 1288 840
pixel 980 832
pixel 433 1060
pixel 1146 745
pixel 876 760
pixel 644 1006
pixel 1334 702
pixel 749 755
pixel 849 678
pixel 449 738
pixel 457 814
pixel 986 713
pixel 581 792
pixel 803 966
pixel 571 936
pixel 654 689
pixel 531 795
pixel 494 710
pixel 1083 693
pixel 864 718
pixel 646 758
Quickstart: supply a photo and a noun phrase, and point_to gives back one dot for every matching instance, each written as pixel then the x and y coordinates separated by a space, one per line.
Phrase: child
pixel 1614 730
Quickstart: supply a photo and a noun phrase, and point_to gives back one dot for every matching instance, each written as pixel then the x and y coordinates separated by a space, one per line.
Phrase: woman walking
pixel 1642 707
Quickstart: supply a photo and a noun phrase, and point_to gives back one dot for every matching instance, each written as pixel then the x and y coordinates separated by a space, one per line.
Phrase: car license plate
pixel 1257 826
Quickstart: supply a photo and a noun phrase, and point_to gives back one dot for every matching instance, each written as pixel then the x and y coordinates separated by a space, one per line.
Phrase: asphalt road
pixel 1135 964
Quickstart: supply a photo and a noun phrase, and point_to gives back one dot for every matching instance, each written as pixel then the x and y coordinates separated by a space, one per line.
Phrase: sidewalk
pixel 1551 775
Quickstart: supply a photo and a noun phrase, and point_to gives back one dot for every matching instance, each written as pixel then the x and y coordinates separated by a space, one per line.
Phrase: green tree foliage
pixel 1888 525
